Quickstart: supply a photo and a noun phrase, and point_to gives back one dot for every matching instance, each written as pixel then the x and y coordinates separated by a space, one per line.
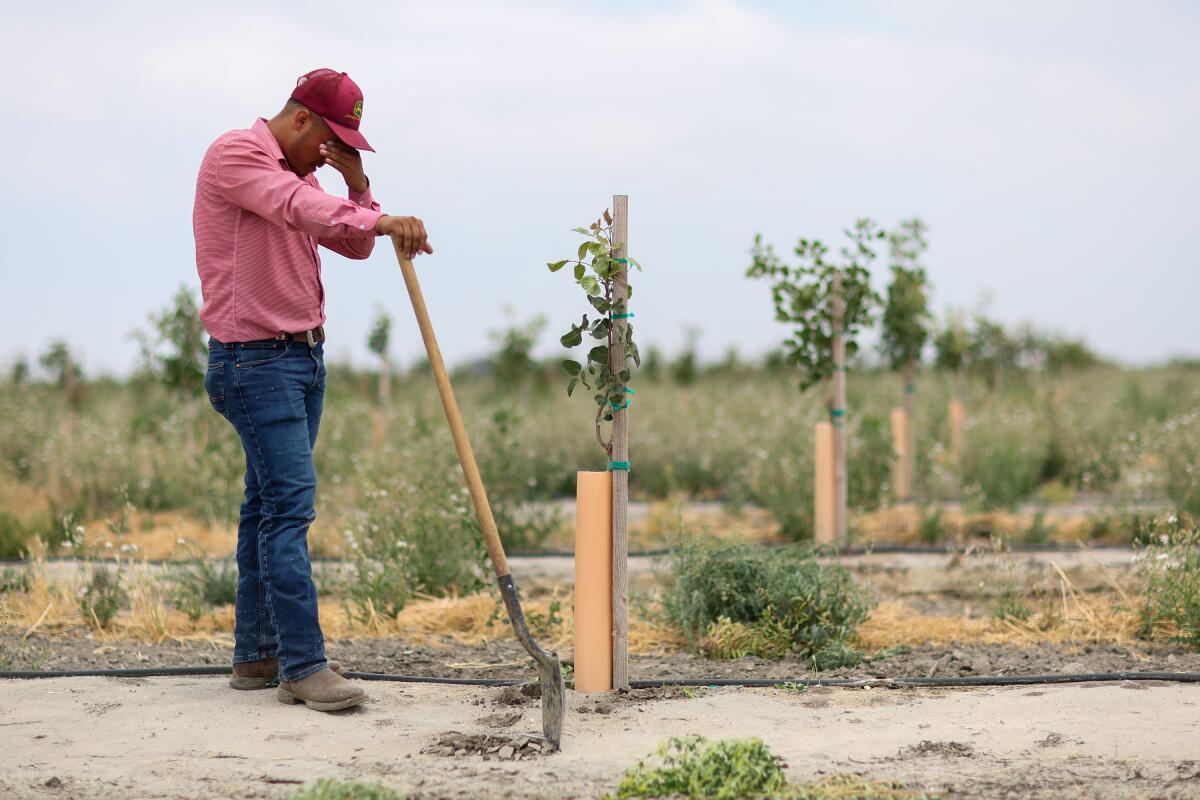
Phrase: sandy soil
pixel 195 738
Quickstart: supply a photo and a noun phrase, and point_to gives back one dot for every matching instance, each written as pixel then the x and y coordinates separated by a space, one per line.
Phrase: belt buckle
pixel 308 337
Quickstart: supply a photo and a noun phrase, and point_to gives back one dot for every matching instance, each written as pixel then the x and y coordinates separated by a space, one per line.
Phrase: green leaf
pixel 572 339
pixel 599 354
pixel 571 385
pixel 583 250
pixel 579 271
pixel 572 367
pixel 556 266
pixel 584 231
pixel 600 329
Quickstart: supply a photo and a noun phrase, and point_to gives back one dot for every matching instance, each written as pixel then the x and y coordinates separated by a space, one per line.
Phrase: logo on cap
pixel 356 114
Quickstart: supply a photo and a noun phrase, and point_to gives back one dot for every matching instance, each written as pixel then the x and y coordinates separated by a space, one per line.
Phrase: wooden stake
pixel 620 452
pixel 824 493
pixel 593 582
pixel 838 414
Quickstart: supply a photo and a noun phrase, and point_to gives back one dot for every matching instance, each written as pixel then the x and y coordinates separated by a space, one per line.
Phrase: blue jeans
pixel 272 393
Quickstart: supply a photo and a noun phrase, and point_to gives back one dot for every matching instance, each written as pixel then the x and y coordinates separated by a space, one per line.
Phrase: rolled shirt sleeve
pixel 355 247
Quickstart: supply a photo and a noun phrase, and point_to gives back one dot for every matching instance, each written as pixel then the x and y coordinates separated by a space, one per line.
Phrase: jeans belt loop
pixel 308 336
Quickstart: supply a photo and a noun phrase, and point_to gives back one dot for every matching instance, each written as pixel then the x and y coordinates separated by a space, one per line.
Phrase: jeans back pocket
pixel 214 386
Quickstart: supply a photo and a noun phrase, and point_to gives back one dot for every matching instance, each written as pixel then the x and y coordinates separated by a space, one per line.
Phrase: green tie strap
pixel 619 406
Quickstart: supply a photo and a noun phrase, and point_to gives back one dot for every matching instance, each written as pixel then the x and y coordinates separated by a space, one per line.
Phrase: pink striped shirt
pixel 257 227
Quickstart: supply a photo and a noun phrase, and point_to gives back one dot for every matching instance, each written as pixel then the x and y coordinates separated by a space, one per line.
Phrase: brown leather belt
pixel 311 338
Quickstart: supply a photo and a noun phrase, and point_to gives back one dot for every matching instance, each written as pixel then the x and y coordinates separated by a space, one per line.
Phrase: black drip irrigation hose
pixel 850 683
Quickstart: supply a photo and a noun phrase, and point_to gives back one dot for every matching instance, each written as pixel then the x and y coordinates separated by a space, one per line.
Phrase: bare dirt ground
pixel 504 658
pixel 93 738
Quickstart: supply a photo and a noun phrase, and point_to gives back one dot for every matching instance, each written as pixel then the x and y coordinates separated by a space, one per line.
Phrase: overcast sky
pixel 1050 146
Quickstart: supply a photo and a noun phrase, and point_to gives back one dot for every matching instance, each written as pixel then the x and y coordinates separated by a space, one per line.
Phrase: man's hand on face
pixel 408 232
pixel 347 161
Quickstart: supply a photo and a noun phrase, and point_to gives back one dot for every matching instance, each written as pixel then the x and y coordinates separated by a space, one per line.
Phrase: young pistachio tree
pixel 951 348
pixel 906 320
pixel 993 352
pixel 59 362
pixel 827 305
pixel 377 342
pixel 595 269
pixel 175 350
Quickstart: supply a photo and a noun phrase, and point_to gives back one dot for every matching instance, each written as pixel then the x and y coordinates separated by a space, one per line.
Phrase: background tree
pixel 804 299
pixel 992 352
pixel 952 345
pixel 175 350
pixel 64 370
pixel 513 362
pixel 686 366
pixel 827 305
pixel 906 320
pixel 378 341
pixel 20 371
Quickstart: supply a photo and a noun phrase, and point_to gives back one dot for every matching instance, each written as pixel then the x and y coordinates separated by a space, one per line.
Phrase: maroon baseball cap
pixel 338 101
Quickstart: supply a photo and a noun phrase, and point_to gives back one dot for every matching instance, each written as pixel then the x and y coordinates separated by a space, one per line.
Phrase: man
pixel 258 220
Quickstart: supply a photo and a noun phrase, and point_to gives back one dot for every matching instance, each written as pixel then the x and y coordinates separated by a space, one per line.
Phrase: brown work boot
pixel 262 674
pixel 322 691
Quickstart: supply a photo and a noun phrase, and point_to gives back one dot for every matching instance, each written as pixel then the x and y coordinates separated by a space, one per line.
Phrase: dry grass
pixel 1070 616
pixel 894 622
pixel 852 787
pixel 1065 613
pixel 23 500
pixel 156 536
pixel 901 524
pixel 53 606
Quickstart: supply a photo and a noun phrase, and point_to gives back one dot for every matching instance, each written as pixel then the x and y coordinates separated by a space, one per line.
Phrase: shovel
pixel 550 674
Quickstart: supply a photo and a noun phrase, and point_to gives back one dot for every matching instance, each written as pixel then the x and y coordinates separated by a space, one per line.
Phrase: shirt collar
pixel 261 130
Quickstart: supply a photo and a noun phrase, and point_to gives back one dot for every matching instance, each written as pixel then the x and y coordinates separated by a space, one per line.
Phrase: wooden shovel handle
pixel 466 457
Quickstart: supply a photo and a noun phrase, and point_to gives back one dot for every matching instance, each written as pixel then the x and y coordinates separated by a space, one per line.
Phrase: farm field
pixel 138 466
pixel 689 400
pixel 1032 554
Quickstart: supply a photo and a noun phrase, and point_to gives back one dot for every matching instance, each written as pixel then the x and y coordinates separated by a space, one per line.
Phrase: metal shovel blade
pixel 550 674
